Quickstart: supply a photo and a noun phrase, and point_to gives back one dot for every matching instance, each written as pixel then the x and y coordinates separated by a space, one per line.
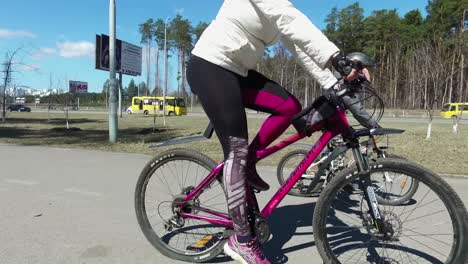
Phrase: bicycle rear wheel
pixel 432 229
pixel 162 185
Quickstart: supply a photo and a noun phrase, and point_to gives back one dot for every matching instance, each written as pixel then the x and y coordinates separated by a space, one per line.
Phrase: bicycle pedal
pixel 204 243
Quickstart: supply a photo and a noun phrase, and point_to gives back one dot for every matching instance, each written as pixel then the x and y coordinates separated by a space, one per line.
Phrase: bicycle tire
pixel 451 201
pixel 281 177
pixel 144 223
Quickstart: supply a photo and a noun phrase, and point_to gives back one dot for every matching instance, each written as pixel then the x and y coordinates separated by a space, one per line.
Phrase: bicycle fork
pixel 365 184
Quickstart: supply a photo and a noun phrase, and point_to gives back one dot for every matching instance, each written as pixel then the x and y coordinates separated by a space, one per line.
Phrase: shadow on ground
pixel 74 135
pixel 52 121
pixel 284 223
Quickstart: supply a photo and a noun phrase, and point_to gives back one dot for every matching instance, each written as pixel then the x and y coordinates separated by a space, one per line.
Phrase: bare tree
pixel 430 111
pixel 66 100
pixel 50 96
pixel 7 70
pixel 456 120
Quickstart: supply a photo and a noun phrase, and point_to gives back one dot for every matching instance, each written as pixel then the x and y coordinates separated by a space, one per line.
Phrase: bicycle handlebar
pixel 350 90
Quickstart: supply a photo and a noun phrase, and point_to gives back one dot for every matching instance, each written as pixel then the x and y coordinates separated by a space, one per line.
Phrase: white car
pixel 129 110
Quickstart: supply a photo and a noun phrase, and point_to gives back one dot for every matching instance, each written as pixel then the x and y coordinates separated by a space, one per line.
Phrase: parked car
pixel 18 108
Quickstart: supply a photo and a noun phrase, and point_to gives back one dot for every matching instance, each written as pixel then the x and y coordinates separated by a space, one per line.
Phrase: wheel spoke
pixel 428 236
pixel 419 217
pixel 170 179
pixel 431 241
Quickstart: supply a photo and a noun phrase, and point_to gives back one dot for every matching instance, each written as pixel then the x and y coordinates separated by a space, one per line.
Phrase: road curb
pixel 453 176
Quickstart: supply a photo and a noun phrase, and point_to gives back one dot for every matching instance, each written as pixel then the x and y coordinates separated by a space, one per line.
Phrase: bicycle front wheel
pixel 431 229
pixel 393 188
pixel 310 180
pixel 163 184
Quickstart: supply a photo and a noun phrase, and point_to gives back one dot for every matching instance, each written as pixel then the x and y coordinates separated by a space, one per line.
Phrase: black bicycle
pixel 391 189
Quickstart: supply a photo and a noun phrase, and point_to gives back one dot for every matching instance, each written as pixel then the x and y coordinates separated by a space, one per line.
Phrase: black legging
pixel 224 96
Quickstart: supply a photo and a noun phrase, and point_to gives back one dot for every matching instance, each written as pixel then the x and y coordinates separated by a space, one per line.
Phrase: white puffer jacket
pixel 237 38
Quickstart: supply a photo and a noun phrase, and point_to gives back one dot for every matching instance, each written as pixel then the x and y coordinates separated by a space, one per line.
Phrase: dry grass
pixel 444 153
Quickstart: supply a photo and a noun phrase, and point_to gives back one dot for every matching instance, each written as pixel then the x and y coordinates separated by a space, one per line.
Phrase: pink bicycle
pixel 181 206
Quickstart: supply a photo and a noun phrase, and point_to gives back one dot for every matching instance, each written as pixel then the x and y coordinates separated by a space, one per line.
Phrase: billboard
pixel 78 87
pixel 128 56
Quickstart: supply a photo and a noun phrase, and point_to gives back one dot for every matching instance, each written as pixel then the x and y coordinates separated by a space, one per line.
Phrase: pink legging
pixel 224 96
pixel 281 109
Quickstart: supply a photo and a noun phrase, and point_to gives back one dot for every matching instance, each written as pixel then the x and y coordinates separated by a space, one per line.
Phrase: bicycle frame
pixel 337 124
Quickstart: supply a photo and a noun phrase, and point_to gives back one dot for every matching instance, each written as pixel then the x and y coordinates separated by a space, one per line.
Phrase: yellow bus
pixel 453 110
pixel 144 105
pixel 174 105
pixel 154 105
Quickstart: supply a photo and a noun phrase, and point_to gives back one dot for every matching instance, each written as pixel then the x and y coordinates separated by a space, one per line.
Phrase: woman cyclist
pixel 221 73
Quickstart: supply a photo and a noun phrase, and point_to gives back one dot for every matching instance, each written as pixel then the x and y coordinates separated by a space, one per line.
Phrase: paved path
pixel 76 206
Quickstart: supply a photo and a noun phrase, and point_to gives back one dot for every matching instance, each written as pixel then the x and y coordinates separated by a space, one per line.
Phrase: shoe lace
pixel 256 249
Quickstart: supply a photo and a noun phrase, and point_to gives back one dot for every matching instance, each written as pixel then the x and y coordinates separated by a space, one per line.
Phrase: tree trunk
pixel 157 87
pixel 413 84
pixel 294 77
pixel 395 74
pixel 65 108
pixel 425 92
pixel 429 129
pixel 460 98
pixel 5 84
pixel 184 92
pixel 306 93
pixel 429 125
pixel 445 93
pixel 282 75
pixel 179 55
pixel 148 68
pixel 451 80
pixel 68 126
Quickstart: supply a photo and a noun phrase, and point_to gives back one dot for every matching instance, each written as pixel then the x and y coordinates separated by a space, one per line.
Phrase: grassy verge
pixel 444 153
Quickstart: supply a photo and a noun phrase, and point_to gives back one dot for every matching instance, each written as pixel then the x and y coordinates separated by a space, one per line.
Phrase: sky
pixel 57 36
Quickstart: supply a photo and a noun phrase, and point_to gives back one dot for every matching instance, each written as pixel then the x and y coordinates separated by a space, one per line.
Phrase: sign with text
pixel 128 56
pixel 131 59
pixel 78 87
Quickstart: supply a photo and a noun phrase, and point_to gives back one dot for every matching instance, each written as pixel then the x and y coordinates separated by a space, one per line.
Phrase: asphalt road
pixel 76 206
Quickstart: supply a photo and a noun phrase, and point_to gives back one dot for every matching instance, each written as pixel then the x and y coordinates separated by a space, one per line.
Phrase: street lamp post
pixel 113 125
pixel 165 71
